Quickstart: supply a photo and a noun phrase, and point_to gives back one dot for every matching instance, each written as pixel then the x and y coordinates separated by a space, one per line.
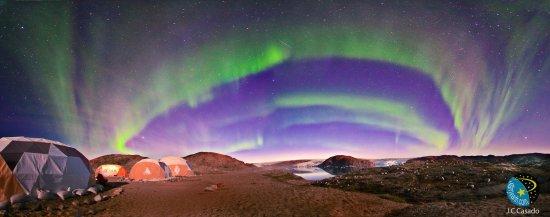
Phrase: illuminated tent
pixel 178 166
pixel 27 164
pixel 111 170
pixel 149 169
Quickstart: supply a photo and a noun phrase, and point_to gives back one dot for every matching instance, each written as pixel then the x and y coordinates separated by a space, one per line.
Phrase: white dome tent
pixel 43 164
pixel 178 166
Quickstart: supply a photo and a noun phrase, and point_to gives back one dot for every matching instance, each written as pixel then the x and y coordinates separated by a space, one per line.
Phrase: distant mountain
pixel 343 164
pixel 210 162
pixel 127 161
pixel 442 158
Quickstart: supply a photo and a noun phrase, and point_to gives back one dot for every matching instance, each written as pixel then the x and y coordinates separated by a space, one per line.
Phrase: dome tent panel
pixel 54 151
pixel 21 147
pixel 38 148
pixel 76 173
pixel 59 161
pixel 28 182
pixel 178 166
pixel 28 170
pixel 71 152
pixel 51 167
pixel 9 185
pixel 75 166
pixel 12 159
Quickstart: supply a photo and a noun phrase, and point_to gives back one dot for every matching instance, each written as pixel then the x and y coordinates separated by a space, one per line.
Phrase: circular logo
pixel 522 190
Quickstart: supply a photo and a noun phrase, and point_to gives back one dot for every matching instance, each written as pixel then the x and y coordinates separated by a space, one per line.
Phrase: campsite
pixel 259 108
pixel 168 187
pixel 68 184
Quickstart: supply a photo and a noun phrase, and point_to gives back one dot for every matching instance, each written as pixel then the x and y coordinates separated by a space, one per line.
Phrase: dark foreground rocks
pixel 86 205
pixel 489 207
pixel 447 182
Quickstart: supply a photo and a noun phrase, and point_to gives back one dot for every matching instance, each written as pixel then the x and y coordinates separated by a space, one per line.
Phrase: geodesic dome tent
pixel 149 169
pixel 27 164
pixel 178 166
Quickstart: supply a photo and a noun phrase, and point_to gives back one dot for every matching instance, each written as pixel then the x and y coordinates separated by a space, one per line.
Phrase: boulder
pixel 64 194
pixel 93 190
pixel 116 192
pixel 18 198
pixel 80 192
pixel 340 164
pixel 98 198
pixel 44 195
pixel 211 188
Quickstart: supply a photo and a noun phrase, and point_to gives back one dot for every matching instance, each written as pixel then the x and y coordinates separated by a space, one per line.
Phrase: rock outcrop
pixel 210 162
pixel 340 164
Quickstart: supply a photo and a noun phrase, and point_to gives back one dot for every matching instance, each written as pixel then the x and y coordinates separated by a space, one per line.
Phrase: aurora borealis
pixel 278 80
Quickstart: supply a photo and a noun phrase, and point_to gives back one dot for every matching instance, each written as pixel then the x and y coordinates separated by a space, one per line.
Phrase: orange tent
pixel 149 169
pixel 178 166
pixel 111 170
pixel 9 185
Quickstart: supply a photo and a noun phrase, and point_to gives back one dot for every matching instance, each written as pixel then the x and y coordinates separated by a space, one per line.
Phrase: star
pixel 337 73
pixel 521 192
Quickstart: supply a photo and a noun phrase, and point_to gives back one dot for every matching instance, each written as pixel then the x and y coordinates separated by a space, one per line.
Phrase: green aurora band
pixel 480 104
pixel 397 116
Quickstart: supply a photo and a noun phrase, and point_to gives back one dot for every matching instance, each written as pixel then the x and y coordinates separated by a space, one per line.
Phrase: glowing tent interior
pixel 149 169
pixel 111 170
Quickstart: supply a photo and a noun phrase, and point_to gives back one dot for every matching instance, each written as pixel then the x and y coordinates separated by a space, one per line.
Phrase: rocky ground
pixel 446 183
pixel 87 205
pixel 487 207
pixel 249 192
pixel 428 186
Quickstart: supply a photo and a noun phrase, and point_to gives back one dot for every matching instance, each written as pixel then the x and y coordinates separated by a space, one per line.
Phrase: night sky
pixel 274 80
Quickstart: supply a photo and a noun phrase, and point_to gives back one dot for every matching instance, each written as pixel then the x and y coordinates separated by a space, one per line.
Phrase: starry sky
pixel 276 80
